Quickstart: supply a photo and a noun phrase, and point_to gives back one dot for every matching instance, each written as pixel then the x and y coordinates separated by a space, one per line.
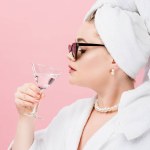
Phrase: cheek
pixel 93 67
pixel 93 63
pixel 92 70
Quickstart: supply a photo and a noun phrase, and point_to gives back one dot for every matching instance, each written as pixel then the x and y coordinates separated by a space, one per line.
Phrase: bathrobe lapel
pixel 75 131
pixel 97 140
pixel 102 136
pixel 134 112
pixel 132 119
pixel 134 106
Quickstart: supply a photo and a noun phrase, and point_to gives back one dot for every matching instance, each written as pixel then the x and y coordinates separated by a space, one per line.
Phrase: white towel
pixel 124 27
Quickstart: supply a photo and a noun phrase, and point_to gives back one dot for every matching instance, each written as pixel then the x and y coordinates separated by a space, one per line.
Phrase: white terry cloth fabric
pixel 128 130
pixel 124 27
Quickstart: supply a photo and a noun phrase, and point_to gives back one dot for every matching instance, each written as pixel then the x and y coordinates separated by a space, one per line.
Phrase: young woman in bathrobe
pixel 118 117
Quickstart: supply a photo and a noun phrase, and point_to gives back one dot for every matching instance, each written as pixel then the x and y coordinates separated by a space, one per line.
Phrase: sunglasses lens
pixel 73 48
pixel 69 48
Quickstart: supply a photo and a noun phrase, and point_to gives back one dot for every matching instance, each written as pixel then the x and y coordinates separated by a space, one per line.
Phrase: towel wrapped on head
pixel 124 27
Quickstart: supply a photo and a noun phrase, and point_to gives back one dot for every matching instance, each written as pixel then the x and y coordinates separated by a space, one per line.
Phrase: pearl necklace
pixel 105 109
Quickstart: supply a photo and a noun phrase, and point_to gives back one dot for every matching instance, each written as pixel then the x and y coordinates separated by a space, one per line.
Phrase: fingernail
pixel 38 95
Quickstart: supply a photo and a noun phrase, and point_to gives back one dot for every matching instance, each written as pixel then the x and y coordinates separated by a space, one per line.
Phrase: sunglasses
pixel 74 48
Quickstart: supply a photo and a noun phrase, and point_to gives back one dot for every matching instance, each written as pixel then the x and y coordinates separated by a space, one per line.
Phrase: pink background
pixel 37 31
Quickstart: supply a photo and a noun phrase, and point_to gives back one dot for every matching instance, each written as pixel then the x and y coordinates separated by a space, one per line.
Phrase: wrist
pixel 23 117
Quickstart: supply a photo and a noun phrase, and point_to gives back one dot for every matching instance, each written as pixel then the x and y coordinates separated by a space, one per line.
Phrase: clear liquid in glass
pixel 44 80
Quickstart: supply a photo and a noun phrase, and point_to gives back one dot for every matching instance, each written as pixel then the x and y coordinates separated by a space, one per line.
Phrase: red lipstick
pixel 71 69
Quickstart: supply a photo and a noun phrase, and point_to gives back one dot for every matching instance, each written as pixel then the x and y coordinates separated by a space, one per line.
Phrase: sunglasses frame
pixel 74 47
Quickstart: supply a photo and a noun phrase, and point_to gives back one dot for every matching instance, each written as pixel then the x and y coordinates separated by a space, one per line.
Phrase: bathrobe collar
pixel 132 119
pixel 134 111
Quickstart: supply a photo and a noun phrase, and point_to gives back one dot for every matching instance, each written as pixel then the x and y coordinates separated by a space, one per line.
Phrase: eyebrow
pixel 81 39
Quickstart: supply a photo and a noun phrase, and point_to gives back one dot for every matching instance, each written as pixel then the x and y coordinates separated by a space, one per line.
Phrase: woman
pixel 112 45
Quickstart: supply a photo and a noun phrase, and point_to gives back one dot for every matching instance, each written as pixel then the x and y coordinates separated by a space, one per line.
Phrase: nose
pixel 70 57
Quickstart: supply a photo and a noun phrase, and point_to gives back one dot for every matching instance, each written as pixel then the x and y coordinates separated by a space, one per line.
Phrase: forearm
pixel 24 133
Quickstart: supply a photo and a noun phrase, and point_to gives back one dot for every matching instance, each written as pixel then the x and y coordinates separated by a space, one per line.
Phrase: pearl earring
pixel 112 72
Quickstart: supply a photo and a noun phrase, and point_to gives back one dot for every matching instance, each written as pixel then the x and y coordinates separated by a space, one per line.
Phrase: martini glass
pixel 44 77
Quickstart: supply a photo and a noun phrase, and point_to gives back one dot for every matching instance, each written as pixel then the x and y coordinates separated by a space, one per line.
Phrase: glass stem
pixel 34 111
pixel 35 108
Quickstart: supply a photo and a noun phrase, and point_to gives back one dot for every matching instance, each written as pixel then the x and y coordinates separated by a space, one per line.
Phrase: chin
pixel 77 83
pixel 72 81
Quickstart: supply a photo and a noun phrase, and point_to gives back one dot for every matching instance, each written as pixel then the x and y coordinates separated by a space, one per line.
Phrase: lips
pixel 71 68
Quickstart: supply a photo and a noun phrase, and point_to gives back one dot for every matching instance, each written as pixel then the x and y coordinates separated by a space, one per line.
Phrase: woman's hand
pixel 26 97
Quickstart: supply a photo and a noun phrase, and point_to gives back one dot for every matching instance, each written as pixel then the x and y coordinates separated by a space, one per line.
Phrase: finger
pixel 24 104
pixel 25 97
pixel 30 92
pixel 33 87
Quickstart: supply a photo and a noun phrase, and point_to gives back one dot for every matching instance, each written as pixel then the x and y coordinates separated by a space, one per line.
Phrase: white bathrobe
pixel 128 130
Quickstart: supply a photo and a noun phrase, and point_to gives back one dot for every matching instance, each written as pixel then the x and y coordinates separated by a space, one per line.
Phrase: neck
pixel 112 94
